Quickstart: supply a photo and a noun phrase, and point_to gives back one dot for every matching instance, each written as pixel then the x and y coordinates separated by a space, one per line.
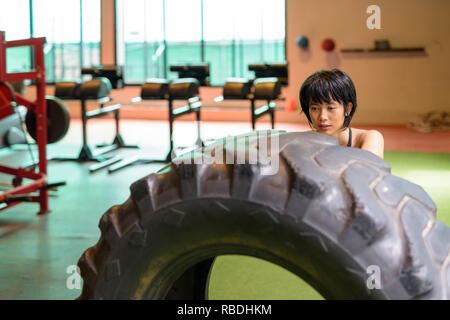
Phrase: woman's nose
pixel 323 115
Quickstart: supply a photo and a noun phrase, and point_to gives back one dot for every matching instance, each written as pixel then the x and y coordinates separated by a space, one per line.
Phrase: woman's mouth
pixel 324 127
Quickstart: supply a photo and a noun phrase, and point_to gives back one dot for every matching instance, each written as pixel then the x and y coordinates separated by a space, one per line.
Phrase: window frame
pixel 55 45
pixel 234 41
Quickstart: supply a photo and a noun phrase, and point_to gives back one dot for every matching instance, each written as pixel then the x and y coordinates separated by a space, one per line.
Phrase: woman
pixel 328 99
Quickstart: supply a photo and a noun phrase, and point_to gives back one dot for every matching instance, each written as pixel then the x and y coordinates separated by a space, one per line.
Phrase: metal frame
pixel 61 45
pixel 22 193
pixel 86 153
pixel 255 112
pixel 194 105
pixel 237 47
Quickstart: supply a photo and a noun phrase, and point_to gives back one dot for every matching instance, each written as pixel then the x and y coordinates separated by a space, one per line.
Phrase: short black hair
pixel 325 84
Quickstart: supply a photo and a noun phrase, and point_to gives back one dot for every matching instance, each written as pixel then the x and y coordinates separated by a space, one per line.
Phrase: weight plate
pixel 58 120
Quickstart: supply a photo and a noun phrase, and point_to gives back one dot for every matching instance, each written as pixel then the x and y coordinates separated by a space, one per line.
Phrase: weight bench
pixel 97 89
pixel 161 89
pixel 112 72
pixel 267 89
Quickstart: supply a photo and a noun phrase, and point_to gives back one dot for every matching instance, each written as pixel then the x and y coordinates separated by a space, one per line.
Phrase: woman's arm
pixel 374 142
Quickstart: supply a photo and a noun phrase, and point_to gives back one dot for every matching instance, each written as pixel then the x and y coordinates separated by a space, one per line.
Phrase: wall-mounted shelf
pixel 356 50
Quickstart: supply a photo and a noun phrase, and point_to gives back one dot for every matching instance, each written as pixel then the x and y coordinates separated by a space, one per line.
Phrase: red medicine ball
pixel 328 45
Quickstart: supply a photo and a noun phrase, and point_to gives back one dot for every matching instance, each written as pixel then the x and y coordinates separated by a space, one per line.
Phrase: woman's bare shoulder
pixel 371 140
pixel 363 134
pixel 371 134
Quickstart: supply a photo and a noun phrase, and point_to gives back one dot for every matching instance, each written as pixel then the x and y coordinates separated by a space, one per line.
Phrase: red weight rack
pixel 39 107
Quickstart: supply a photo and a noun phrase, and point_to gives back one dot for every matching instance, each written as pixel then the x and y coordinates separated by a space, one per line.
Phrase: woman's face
pixel 327 118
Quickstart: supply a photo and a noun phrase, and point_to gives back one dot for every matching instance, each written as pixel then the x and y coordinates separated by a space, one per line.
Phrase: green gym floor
pixel 36 250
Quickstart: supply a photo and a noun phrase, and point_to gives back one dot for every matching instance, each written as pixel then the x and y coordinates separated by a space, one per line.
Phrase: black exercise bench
pixel 97 89
pixel 267 89
pixel 161 89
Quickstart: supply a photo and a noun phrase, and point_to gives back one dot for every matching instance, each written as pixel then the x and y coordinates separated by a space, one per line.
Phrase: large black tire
pixel 327 215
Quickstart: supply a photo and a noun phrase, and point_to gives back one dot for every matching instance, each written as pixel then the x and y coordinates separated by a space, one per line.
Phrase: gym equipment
pixel 111 72
pixel 8 98
pixel 199 71
pixel 161 89
pixel 11 131
pixel 58 120
pixel 267 89
pixel 302 42
pixel 68 90
pixel 12 125
pixel 277 70
pixel 329 214
pixel 18 86
pixel 10 120
pixel 328 45
pixel 98 90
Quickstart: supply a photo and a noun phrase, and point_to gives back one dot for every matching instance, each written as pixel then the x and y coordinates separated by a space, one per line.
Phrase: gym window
pixel 71 28
pixel 152 35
